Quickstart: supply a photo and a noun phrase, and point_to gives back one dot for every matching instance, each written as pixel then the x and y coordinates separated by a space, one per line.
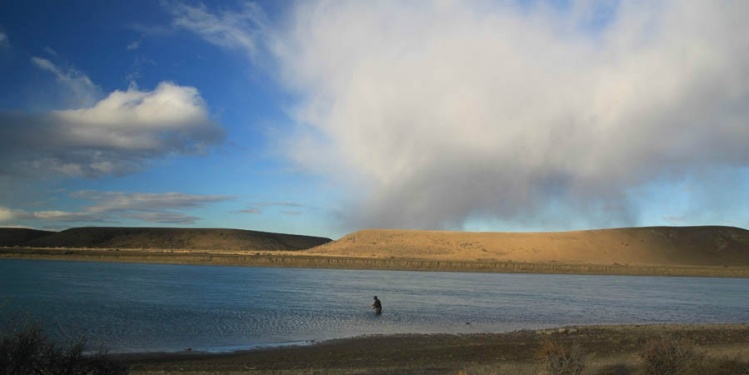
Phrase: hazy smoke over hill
pixel 434 113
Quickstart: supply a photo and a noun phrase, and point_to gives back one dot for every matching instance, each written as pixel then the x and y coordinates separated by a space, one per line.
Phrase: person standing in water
pixel 377 305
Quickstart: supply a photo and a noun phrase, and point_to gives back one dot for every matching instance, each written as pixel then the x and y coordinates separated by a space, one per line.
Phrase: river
pixel 127 307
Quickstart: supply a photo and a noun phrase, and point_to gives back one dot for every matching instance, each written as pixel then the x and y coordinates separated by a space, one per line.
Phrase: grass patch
pixel 666 355
pixel 29 351
pixel 559 359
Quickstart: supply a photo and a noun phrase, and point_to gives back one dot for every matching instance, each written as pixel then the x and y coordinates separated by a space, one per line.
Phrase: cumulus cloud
pixel 118 135
pixel 433 114
pixel 111 207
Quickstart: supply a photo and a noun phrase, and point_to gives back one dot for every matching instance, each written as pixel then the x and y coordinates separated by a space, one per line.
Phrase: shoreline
pixel 301 260
pixel 604 347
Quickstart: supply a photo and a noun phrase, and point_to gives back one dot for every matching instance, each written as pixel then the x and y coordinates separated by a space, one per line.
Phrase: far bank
pixel 302 260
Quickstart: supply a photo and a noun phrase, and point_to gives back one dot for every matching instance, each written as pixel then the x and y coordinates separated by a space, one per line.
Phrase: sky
pixel 326 117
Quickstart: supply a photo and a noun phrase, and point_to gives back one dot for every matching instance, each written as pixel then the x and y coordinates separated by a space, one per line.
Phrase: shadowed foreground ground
pixel 607 349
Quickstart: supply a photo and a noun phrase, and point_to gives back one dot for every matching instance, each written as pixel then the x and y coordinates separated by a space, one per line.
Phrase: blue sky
pixel 325 117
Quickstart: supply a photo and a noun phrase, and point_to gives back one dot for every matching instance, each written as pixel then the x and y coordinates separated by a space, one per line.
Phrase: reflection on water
pixel 147 307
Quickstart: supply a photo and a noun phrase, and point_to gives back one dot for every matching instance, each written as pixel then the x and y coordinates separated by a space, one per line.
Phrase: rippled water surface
pixel 147 307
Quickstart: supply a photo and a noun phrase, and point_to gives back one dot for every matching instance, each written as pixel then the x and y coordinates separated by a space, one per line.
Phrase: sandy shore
pixel 607 350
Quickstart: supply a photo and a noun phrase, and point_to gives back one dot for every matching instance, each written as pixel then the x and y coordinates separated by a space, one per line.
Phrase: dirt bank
pixel 606 350
pixel 303 260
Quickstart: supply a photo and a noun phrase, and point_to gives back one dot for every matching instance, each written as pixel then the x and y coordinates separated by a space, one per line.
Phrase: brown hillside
pixel 18 236
pixel 709 245
pixel 174 238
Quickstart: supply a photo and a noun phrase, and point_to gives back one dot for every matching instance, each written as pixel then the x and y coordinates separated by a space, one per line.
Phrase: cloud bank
pixel 544 115
pixel 434 114
pixel 112 207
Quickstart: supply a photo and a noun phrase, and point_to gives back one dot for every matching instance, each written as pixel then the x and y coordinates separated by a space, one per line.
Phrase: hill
pixel 160 238
pixel 17 236
pixel 703 246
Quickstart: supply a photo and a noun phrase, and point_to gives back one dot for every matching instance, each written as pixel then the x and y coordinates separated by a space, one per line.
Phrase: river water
pixel 149 307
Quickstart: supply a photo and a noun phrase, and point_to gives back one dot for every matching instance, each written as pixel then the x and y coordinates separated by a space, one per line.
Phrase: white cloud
pixel 66 216
pixel 134 45
pixel 6 214
pixel 4 41
pixel 241 29
pixel 433 113
pixel 120 201
pixel 164 217
pixel 81 91
pixel 14 215
pixel 112 207
pixel 286 208
pixel 544 115
pixel 136 119
pixel 117 135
